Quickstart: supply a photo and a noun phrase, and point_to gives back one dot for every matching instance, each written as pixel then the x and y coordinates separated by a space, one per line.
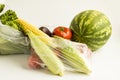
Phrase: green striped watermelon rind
pixel 92 28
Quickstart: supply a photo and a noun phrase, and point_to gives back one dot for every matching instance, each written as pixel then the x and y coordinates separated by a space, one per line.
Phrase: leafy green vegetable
pixel 13 41
pixel 8 18
pixel 1 7
pixel 9 15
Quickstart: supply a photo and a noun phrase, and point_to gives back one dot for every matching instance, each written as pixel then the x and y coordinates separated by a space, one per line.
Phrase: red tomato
pixel 63 32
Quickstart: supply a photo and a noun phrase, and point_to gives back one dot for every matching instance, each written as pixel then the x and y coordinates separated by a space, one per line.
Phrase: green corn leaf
pixel 72 56
pixel 46 54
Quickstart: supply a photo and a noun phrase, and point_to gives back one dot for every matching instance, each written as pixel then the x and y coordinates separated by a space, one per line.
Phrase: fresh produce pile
pixel 57 51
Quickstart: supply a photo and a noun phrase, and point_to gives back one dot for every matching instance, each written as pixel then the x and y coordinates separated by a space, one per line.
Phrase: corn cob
pixel 46 54
pixel 38 41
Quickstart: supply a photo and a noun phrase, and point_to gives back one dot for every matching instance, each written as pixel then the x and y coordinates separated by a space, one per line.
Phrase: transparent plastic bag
pixel 75 56
pixel 13 41
pixel 86 54
pixel 82 48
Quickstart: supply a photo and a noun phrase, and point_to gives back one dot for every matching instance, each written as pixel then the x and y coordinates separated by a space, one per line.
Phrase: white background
pixel 105 61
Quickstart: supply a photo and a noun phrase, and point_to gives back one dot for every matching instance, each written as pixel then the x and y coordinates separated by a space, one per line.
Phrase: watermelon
pixel 91 27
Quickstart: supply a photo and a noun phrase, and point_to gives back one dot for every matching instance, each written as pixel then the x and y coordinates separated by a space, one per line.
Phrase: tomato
pixel 62 32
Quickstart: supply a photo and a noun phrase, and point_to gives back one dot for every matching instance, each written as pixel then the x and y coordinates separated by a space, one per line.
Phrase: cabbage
pixel 12 41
